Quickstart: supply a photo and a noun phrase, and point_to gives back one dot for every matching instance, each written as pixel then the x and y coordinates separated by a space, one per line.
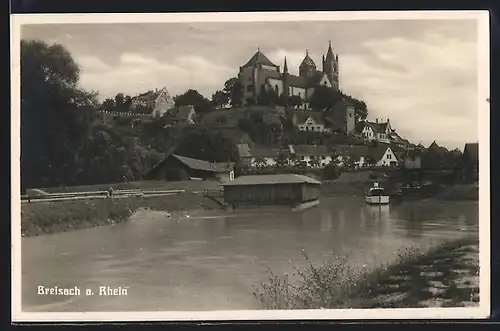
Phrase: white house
pixel 262 157
pixel 378 130
pixel 383 156
pixel 313 155
pixel 310 121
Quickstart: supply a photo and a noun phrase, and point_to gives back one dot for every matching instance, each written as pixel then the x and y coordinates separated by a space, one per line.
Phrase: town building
pixel 310 121
pixel 314 156
pixel 378 131
pixel 382 155
pixel 260 73
pixel 178 168
pixel 156 103
pixel 275 189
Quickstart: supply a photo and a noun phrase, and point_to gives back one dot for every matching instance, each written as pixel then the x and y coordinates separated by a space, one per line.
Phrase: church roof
pixel 259 58
pixel 308 61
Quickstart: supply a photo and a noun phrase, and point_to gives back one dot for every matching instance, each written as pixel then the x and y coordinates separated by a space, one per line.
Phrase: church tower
pixel 331 66
pixel 286 80
pixel 307 68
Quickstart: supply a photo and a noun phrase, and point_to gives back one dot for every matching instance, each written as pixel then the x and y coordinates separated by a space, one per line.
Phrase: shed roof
pixel 271 180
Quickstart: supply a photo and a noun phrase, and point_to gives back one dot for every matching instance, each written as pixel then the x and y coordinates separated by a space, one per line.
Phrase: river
pixel 212 261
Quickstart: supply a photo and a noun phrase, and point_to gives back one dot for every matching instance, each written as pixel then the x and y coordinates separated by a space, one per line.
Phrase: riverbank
pixel 52 217
pixel 443 276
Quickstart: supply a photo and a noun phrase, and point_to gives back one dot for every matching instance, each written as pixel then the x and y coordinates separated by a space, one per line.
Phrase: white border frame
pixel 482 311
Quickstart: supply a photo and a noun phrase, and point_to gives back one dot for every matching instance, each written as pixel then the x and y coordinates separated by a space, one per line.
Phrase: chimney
pixel 376 120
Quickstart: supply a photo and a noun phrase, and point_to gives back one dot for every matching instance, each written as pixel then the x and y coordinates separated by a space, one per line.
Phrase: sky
pixel 421 74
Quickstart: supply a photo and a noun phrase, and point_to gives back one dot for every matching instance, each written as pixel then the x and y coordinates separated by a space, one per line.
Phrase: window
pixel 250 79
pixel 249 88
pixel 302 158
pixel 323 157
pixel 276 89
pixel 319 128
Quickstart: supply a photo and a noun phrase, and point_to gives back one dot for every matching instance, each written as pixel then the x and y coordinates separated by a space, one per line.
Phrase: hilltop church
pixel 259 72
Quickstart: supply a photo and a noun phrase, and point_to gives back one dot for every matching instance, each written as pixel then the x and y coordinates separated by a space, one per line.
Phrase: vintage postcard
pixel 250 166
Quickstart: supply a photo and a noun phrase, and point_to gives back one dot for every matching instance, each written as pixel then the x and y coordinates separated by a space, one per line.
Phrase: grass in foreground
pixel 52 217
pixel 445 275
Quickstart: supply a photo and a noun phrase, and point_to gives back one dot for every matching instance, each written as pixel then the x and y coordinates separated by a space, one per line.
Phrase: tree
pixel 331 171
pixel 234 91
pixel 205 145
pixel 281 160
pixel 267 97
pixel 260 162
pixel 295 101
pixel 219 99
pixel 108 105
pixel 360 108
pixel 56 114
pixel 192 97
pixel 324 98
pixel 248 126
pixel 314 161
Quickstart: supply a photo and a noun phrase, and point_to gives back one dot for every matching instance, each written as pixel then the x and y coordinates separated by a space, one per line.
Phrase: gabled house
pixel 471 162
pixel 435 158
pixel 358 155
pixel 310 121
pixel 178 168
pixel 313 155
pixel 412 159
pixel 182 115
pixel 377 130
pixel 156 103
pixel 257 156
pixel 383 156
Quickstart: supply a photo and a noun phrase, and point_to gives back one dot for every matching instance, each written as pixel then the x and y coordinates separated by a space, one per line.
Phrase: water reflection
pixel 211 261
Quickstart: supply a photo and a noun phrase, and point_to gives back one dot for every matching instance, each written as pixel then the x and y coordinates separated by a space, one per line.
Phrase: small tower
pixel 307 68
pixel 286 81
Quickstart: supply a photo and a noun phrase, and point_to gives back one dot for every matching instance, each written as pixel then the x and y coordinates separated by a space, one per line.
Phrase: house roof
pixel 271 74
pixel 243 150
pixel 150 96
pixel 354 151
pixel 259 58
pixel 377 127
pixel 195 164
pixel 472 149
pixel 271 179
pixel 377 152
pixel 302 116
pixel 311 150
pixel 182 112
pixel 223 166
pixel 263 152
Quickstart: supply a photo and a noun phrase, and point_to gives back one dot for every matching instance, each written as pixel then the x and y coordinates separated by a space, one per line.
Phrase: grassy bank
pixel 52 217
pixel 445 275
pixel 191 185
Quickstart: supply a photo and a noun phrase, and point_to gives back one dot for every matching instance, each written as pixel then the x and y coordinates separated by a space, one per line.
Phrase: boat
pixel 377 195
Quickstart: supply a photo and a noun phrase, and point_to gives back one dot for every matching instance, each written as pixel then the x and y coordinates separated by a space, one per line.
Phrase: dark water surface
pixel 209 261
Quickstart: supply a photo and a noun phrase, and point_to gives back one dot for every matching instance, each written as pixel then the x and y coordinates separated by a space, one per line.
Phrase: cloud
pixel 433 98
pixel 136 73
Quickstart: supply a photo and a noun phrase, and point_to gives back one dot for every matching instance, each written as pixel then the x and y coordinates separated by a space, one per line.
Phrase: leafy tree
pixel 192 97
pixel 295 101
pixel 314 161
pixel 267 97
pixel 260 162
pixel 56 114
pixel 234 91
pixel 324 98
pixel 219 98
pixel 331 171
pixel 248 126
pixel 281 160
pixel 108 105
pixel 205 145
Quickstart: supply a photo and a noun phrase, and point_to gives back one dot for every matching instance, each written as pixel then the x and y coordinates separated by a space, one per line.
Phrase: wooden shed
pixel 276 189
